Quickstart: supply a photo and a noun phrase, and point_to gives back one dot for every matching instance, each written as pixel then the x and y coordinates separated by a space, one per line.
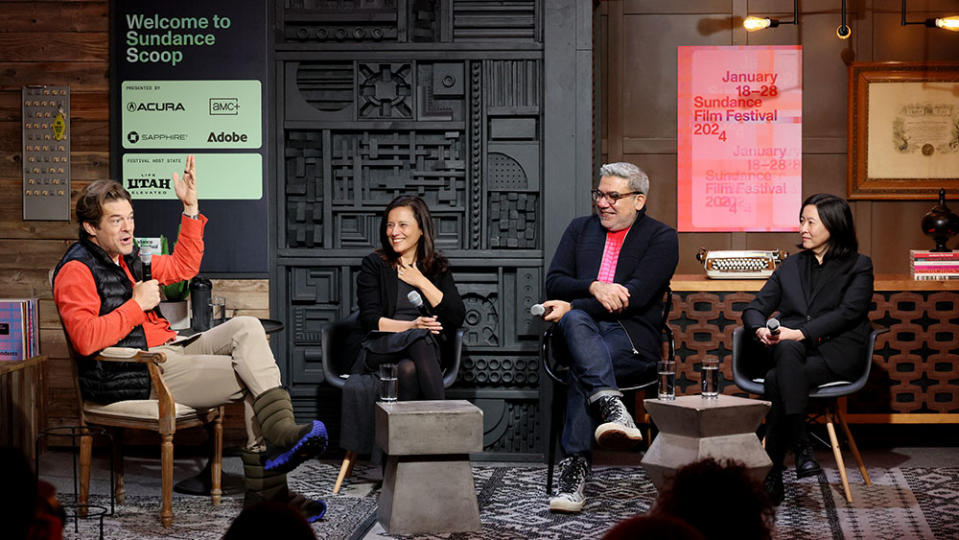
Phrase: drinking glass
pixel 667 380
pixel 710 378
pixel 217 310
pixel 388 382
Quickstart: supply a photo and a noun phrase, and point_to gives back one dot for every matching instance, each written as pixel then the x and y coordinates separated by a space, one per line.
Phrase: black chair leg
pixel 556 416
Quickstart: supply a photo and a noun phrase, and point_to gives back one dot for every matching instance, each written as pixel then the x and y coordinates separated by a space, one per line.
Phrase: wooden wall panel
pixel 639 84
pixel 66 43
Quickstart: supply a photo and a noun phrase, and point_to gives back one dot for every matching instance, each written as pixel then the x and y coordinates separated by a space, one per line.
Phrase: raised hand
pixel 186 188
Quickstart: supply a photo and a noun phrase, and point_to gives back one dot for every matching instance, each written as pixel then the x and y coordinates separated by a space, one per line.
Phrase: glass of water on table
pixel 710 378
pixel 667 380
pixel 389 385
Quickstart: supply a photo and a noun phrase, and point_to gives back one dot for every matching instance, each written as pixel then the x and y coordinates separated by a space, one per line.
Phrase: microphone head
pixel 146 257
pixel 537 310
pixel 773 325
pixel 415 298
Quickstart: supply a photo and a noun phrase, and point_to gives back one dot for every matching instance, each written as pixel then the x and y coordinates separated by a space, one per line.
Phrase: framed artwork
pixel 903 130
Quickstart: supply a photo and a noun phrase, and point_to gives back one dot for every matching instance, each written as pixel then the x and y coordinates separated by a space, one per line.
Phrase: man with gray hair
pixel 606 286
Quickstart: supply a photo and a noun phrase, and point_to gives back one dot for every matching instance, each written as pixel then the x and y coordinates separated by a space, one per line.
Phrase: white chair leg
pixel 837 452
pixel 854 448
pixel 345 469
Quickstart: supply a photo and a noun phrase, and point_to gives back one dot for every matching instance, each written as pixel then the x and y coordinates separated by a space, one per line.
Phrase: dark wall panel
pixel 443 99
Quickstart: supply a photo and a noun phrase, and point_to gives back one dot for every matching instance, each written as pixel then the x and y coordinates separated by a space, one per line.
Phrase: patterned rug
pixel 900 504
pixel 197 518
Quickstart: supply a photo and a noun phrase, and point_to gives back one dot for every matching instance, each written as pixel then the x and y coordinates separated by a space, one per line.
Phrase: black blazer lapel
pixel 795 274
pixel 388 279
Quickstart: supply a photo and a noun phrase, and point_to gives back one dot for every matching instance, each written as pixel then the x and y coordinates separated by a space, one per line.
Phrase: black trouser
pixel 418 370
pixel 787 386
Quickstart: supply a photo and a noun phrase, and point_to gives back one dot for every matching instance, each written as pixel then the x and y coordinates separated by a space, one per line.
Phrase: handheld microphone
pixel 773 326
pixel 145 258
pixel 417 301
pixel 539 310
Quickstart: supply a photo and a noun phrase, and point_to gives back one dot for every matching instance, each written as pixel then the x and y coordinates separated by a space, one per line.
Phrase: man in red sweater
pixel 104 301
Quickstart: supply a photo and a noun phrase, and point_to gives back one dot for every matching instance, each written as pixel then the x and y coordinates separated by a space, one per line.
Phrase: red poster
pixel 739 126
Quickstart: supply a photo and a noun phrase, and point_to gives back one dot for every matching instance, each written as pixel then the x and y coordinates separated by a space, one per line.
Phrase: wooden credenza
pixel 915 365
pixel 22 403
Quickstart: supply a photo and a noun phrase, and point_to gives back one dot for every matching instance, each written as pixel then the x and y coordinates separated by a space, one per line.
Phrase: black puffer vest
pixel 107 382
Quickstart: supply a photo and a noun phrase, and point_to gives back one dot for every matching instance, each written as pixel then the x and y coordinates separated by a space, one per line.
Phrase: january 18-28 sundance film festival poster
pixel 739 124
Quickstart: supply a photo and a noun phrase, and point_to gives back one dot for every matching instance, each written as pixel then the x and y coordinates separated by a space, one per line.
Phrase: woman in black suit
pixel 398 331
pixel 822 295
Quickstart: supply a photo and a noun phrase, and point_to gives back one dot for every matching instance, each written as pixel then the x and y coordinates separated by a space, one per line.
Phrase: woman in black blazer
pixel 822 295
pixel 398 331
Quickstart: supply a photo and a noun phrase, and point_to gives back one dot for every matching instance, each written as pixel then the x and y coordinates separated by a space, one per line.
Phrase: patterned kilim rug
pixel 901 504
pixel 197 518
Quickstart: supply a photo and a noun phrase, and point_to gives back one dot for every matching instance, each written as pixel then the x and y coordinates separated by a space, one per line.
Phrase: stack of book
pixel 19 329
pixel 934 266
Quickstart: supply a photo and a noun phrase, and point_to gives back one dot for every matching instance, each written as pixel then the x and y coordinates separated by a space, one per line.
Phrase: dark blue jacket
pixel 646 263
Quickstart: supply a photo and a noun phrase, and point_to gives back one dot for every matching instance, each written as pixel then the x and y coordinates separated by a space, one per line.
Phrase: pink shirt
pixel 614 243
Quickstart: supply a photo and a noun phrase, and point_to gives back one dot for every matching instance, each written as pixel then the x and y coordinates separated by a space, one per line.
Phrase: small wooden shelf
pixel 883 282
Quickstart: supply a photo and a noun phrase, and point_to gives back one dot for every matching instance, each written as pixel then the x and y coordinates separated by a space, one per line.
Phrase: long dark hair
pixel 430 260
pixel 836 216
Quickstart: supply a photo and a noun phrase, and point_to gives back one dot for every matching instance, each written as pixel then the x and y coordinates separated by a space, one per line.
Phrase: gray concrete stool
pixel 692 428
pixel 428 484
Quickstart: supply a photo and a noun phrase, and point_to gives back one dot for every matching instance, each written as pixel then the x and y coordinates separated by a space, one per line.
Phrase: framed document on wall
pixel 903 130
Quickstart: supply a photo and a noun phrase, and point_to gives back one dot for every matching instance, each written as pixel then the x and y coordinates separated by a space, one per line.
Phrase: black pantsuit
pixel 833 315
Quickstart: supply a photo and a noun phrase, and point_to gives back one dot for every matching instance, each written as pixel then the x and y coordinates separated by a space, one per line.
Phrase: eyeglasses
pixel 612 196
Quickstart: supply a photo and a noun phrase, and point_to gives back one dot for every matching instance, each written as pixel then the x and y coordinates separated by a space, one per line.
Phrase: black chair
pixel 829 392
pixel 557 365
pixel 336 369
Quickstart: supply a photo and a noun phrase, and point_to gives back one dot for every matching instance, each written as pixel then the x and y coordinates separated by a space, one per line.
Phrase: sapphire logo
pixel 134 137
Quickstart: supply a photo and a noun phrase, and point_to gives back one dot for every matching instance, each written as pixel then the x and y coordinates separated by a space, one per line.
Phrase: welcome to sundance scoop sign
pixel 739 125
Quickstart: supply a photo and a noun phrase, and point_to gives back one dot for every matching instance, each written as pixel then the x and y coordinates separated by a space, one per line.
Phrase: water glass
pixel 217 310
pixel 710 378
pixel 388 382
pixel 667 380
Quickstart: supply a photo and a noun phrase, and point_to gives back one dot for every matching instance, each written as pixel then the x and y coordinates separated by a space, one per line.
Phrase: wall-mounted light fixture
pixel 843 31
pixel 946 23
pixel 752 24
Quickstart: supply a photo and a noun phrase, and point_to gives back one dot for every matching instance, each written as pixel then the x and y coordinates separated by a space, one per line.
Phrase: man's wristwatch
pixel 194 216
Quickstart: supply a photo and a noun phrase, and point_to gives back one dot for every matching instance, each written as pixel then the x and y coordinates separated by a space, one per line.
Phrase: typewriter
pixel 731 264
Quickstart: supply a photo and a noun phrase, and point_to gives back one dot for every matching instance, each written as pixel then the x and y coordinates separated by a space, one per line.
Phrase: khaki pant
pixel 227 363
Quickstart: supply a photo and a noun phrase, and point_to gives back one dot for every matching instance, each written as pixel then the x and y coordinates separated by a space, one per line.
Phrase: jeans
pixel 599 352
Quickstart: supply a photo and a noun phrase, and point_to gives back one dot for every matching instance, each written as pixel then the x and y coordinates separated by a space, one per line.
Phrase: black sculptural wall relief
pixel 438 98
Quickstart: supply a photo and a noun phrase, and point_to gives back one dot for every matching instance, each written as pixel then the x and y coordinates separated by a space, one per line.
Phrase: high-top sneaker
pixel 617 430
pixel 568 496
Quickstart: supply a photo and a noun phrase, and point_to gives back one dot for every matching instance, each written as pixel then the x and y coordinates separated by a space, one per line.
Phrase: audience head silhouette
pixel 718 499
pixel 269 520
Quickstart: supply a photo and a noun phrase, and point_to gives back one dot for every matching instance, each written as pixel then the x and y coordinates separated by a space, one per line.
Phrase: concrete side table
pixel 692 428
pixel 428 484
